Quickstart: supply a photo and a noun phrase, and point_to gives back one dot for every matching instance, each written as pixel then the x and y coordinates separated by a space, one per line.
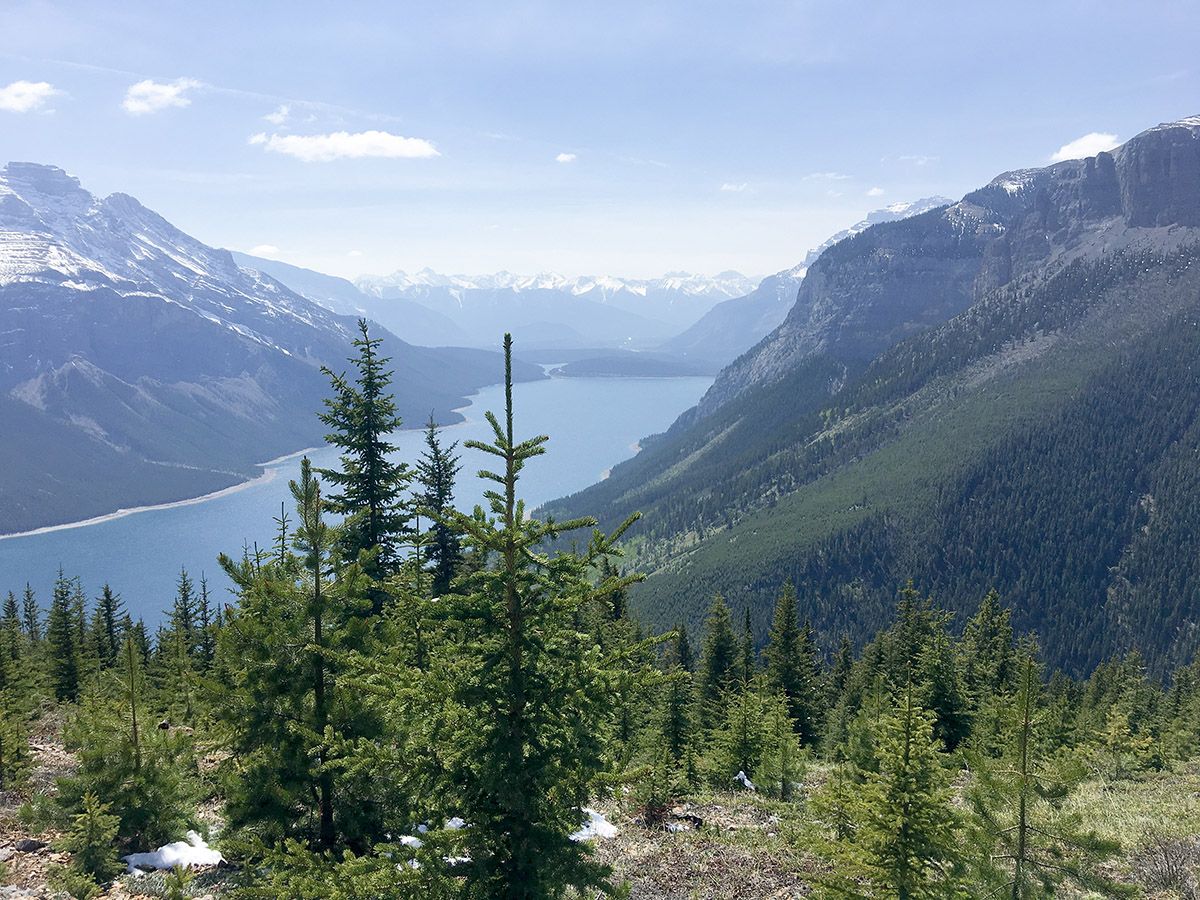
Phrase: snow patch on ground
pixel 745 782
pixel 594 826
pixel 186 854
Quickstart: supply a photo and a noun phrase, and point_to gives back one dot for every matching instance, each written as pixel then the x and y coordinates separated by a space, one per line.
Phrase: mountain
pixel 550 310
pixel 999 393
pixel 411 321
pixel 138 365
pixel 734 326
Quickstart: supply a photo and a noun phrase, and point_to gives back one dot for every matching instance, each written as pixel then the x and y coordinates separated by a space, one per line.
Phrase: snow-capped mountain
pixel 552 310
pixel 736 325
pixel 140 365
pixel 891 213
pixel 722 285
pixel 54 232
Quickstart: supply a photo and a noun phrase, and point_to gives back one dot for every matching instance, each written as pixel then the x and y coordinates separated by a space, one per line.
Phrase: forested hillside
pixel 405 701
pixel 998 394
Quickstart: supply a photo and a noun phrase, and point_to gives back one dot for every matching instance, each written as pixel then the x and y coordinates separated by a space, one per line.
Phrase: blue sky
pixel 620 138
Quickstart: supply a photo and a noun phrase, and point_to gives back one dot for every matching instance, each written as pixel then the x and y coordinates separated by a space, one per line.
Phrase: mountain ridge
pixel 172 368
pixel 734 326
pixel 921 356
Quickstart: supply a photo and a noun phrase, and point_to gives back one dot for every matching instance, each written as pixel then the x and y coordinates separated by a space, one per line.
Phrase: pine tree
pixel 62 640
pixel 782 759
pixel 371 485
pixel 31 616
pixel 111 612
pixel 942 691
pixel 16 695
pixel 676 714
pixel 1027 846
pixel 183 612
pixel 436 471
pixel 718 659
pixel 148 777
pixel 792 666
pixel 747 665
pixel 314 539
pixel 13 644
pixel 527 700
pixel 86 649
pixel 207 625
pixel 292 719
pixel 741 740
pixel 839 673
pixel 91 839
pixel 902 831
pixel 683 649
pixel 988 649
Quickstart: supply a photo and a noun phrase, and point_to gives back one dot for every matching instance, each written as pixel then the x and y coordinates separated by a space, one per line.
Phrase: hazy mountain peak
pixel 728 283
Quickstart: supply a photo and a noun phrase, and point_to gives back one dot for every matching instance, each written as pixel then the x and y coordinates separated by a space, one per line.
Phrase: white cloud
pixel 734 187
pixel 1088 145
pixel 267 251
pixel 279 116
pixel 355 253
pixel 149 96
pixel 344 145
pixel 875 192
pixel 918 159
pixel 26 96
pixel 826 176
pixel 566 158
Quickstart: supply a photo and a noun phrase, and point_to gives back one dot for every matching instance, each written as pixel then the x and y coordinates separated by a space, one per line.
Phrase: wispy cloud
pixel 151 96
pixel 826 176
pixel 354 253
pixel 267 251
pixel 734 187
pixel 566 157
pixel 875 192
pixel 1089 145
pixel 346 145
pixel 918 159
pixel 26 96
pixel 281 114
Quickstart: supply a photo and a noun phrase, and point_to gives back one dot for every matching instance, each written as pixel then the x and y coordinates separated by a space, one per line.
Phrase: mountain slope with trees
pixel 999 394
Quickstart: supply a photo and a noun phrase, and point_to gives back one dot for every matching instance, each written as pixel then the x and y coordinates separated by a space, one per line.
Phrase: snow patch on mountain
pixel 52 231
pixel 722 285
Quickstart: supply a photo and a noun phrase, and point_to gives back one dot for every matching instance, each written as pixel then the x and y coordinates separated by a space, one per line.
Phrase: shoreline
pixel 270 469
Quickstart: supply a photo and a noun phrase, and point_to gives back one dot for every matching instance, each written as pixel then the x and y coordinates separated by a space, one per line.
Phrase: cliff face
pixel 897 279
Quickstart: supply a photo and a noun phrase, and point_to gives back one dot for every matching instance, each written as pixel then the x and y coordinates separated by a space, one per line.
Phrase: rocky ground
pixel 724 845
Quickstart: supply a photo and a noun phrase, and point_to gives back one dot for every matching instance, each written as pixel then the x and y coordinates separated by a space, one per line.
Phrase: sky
pixel 629 139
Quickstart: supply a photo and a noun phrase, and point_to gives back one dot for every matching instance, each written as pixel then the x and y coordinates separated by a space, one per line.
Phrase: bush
pixel 91 840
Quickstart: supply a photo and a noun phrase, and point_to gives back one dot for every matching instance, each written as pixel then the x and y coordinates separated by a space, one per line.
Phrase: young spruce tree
pixel 528 701
pixel 371 486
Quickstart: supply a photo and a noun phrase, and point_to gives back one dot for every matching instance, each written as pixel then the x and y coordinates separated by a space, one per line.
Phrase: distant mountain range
pixel 1000 392
pixel 550 310
pixel 138 365
pixel 686 323
pixel 546 311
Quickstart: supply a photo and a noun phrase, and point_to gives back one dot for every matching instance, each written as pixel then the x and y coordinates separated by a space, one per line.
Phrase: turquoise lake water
pixel 593 424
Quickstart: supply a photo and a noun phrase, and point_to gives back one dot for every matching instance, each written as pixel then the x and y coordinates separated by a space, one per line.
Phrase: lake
pixel 593 424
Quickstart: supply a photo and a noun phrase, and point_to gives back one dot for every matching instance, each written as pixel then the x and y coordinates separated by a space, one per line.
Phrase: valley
pixel 557 451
